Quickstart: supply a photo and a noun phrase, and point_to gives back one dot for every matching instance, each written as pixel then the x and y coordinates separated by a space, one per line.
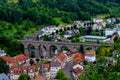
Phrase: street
pixel 68 70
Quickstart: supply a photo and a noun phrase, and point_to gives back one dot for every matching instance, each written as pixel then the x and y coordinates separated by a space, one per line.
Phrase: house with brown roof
pixel 90 55
pixel 15 71
pixel 70 54
pixel 61 58
pixel 77 70
pixel 17 60
pixel 55 66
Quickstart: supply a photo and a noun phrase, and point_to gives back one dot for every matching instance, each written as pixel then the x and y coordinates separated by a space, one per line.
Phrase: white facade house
pixel 54 68
pixel 88 38
pixel 110 32
pixel 68 34
pixel 78 24
pixel 97 27
pixel 90 56
pixel 111 20
pixel 97 20
pixel 48 30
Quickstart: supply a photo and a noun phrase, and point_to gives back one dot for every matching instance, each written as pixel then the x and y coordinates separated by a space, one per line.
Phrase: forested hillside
pixel 23 17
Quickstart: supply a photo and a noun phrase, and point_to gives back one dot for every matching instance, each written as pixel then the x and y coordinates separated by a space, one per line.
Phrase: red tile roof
pixel 61 57
pixel 55 64
pixel 46 66
pixel 14 60
pixel 78 57
pixel 20 69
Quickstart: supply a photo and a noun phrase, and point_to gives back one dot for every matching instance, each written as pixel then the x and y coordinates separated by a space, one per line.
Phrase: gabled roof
pixel 78 57
pixel 74 50
pixel 62 57
pixel 55 64
pixel 14 60
pixel 90 52
pixel 17 70
pixel 78 69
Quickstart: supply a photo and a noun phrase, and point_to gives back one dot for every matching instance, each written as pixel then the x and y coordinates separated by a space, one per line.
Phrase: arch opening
pixel 53 51
pixel 31 49
pixel 64 49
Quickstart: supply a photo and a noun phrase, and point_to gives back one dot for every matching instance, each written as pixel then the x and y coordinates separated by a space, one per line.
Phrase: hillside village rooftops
pixel 95 37
pixel 17 70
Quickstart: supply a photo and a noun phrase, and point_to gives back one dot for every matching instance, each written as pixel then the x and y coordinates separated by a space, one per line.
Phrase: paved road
pixel 68 69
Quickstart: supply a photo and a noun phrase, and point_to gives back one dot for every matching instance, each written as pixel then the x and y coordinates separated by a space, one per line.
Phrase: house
pixel 90 55
pixel 97 26
pixel 60 27
pixel 47 70
pixel 3 76
pixel 55 66
pixel 77 23
pixel 78 57
pixel 77 70
pixel 15 71
pixel 98 39
pixel 70 54
pixel 74 50
pixel 110 32
pixel 2 53
pixel 97 20
pixel 17 60
pixel 111 20
pixel 61 58
pixel 68 34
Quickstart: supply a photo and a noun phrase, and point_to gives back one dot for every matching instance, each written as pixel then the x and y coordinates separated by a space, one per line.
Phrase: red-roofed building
pixel 62 58
pixel 15 71
pixel 78 57
pixel 14 61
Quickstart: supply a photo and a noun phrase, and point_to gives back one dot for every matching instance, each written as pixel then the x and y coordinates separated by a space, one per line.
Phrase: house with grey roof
pixel 3 76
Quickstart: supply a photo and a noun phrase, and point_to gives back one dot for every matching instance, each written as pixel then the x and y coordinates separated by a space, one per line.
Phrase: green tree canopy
pixel 24 77
pixel 4 68
pixel 61 75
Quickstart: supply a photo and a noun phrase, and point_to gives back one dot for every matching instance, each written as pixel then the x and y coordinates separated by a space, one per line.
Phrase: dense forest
pixel 23 17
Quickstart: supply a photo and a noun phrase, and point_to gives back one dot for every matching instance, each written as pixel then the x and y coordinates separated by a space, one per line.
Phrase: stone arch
pixel 31 50
pixel 64 48
pixel 53 50
pixel 43 50
pixel 114 38
pixel 88 48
